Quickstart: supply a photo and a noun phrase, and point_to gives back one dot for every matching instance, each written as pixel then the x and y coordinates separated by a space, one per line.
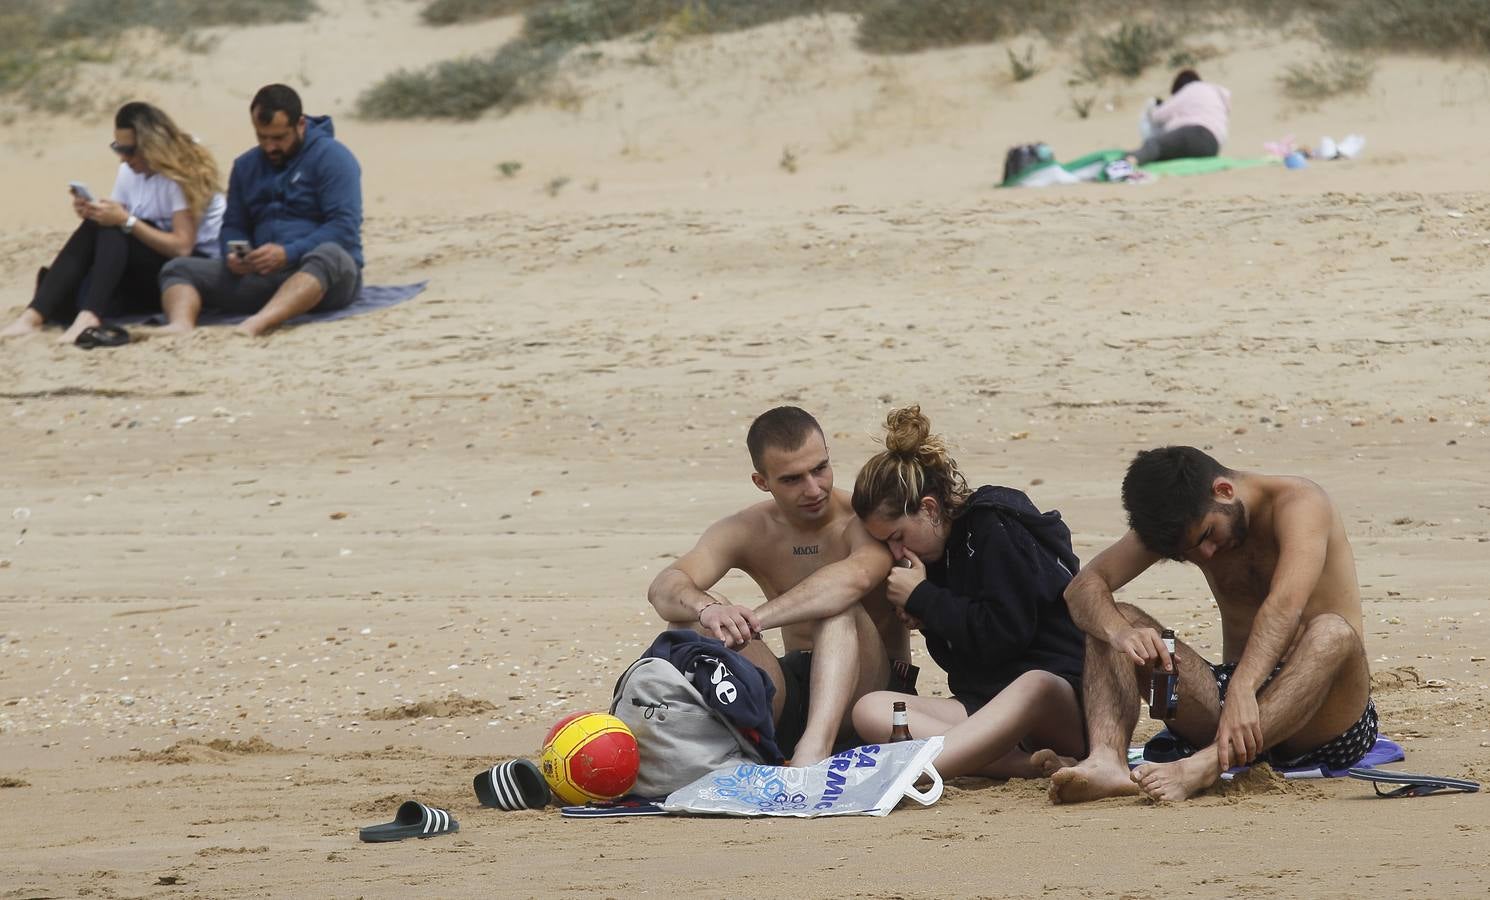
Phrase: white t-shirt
pixel 156 198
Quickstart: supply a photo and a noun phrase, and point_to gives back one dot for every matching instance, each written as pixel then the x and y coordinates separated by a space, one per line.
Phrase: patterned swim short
pixel 1336 755
pixel 1344 751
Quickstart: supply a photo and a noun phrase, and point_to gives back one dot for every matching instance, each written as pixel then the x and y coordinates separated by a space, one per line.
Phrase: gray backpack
pixel 679 736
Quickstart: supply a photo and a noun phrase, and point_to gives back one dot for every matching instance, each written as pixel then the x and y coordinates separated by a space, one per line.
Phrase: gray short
pixel 1185 142
pixel 224 292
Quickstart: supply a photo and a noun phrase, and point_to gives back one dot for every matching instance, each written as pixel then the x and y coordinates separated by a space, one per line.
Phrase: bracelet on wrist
pixel 706 606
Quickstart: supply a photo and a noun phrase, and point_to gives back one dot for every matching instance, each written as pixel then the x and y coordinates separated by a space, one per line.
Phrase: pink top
pixel 1197 103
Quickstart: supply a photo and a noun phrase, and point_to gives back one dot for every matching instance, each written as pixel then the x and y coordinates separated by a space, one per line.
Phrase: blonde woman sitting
pixel 166 203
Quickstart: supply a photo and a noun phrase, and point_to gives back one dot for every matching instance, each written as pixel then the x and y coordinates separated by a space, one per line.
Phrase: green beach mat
pixel 1091 166
pixel 1208 164
pixel 1203 165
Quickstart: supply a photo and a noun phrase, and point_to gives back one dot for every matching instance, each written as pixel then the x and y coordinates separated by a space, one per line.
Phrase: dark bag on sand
pixel 1023 157
pixel 680 737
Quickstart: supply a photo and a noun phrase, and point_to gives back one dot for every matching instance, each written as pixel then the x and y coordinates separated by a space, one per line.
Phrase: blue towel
pixel 371 297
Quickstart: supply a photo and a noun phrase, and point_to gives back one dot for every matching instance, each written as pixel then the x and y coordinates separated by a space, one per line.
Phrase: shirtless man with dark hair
pixel 1294 686
pixel 823 578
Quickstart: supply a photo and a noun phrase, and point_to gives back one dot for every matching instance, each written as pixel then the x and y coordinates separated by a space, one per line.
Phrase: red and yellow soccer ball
pixel 589 756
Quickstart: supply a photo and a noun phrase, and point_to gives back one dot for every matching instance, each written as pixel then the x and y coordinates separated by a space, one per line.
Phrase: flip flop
pixel 102 336
pixel 626 806
pixel 1412 785
pixel 414 819
pixel 512 785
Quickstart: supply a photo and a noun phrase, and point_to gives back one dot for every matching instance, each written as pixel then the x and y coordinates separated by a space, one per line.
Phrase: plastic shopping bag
pixel 864 781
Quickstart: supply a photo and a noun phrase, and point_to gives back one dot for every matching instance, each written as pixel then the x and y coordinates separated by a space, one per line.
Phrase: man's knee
pixel 1330 635
pixel 843 623
pixel 186 270
pixel 333 267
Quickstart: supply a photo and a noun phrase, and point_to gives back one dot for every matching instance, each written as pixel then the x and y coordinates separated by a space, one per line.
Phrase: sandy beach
pixel 254 594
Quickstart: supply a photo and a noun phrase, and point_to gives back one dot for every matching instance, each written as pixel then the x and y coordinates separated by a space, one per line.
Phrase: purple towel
pixel 371 297
pixel 1384 751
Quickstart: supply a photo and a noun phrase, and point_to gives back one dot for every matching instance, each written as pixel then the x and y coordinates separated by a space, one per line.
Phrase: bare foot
pixel 1177 780
pixel 1049 762
pixel 251 327
pixel 29 322
pixel 84 321
pixel 1091 779
pixel 807 759
pixel 176 328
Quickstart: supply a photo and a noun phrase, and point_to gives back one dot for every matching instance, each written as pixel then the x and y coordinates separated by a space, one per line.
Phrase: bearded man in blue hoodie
pixel 292 232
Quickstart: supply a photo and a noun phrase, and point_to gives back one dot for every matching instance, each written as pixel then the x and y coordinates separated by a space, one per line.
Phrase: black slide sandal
pixel 512 785
pixel 414 819
pixel 102 336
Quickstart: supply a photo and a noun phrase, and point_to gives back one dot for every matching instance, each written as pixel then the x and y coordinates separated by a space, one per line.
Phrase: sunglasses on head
pixel 124 150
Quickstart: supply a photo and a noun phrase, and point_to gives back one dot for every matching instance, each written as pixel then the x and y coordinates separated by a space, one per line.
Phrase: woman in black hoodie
pixel 981 574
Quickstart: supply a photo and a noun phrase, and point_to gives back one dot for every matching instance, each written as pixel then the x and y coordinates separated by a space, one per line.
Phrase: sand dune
pixel 454 506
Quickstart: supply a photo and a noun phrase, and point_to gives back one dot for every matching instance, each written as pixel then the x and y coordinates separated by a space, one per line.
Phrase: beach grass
pixel 453 12
pixel 1113 38
pixel 1324 78
pixel 43 44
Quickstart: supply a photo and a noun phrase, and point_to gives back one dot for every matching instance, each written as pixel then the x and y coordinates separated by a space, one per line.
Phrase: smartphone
pixel 80 191
pixel 239 248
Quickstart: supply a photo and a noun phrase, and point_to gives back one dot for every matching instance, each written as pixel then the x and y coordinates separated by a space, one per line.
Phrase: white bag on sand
pixel 864 781
pixel 1146 127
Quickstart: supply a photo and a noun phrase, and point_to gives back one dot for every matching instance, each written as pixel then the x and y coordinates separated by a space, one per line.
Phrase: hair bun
pixel 906 431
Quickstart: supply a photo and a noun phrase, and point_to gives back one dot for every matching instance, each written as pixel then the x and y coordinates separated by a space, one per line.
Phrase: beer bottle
pixel 900 727
pixel 1164 687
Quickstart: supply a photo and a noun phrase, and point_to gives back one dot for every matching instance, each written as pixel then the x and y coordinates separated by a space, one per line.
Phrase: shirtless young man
pixel 1294 686
pixel 823 578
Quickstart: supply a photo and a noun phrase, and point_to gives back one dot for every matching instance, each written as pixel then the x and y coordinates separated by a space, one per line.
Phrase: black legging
pixel 1185 142
pixel 101 270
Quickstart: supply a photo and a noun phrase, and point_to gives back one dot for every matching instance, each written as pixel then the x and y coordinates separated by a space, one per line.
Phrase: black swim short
pixel 796 672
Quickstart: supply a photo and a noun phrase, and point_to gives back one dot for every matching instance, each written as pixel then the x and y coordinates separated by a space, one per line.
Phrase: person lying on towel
pixel 1293 687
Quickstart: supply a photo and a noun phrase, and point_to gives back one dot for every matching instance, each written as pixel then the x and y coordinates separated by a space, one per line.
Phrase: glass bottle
pixel 900 723
pixel 1164 687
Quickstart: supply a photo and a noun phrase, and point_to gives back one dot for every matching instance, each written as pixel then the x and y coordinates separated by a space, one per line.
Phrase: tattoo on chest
pixel 804 550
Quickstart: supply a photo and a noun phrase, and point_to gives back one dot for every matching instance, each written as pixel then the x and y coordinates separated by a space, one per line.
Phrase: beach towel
pixel 1382 752
pixel 1093 166
pixel 372 297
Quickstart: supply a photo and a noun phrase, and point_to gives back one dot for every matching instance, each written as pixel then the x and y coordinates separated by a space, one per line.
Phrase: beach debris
pixel 788 162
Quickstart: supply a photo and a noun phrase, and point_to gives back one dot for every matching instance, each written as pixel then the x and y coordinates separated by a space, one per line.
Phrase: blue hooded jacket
pixel 315 199
pixel 731 685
